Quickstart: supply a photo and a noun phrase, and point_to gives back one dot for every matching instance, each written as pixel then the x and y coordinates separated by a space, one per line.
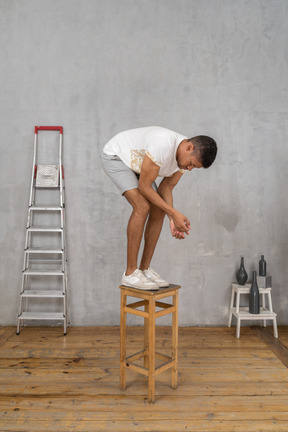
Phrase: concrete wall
pixel 215 67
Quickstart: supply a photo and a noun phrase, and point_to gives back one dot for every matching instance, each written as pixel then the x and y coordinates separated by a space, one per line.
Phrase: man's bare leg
pixel 135 228
pixel 151 236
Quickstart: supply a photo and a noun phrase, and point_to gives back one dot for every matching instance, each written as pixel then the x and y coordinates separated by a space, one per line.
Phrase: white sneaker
pixel 155 277
pixel 138 280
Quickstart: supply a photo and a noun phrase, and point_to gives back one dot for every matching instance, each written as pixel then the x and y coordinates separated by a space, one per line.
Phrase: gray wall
pixel 215 67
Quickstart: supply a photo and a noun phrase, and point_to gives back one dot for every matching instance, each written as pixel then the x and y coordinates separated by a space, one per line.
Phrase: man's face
pixel 187 157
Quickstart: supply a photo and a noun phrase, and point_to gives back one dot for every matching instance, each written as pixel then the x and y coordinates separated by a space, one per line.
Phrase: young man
pixel 134 159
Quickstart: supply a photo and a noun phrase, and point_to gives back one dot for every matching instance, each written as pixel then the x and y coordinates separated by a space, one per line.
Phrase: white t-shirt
pixel 158 143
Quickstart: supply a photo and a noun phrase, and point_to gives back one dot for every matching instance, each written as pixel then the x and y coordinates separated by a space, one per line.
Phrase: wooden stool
pixel 150 301
pixel 242 313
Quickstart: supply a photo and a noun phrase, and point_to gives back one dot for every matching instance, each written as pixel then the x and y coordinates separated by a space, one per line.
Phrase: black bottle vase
pixel 254 298
pixel 241 275
pixel 262 266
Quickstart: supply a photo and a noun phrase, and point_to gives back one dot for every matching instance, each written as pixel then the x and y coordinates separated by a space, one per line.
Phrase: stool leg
pixel 231 306
pixel 264 306
pixel 274 319
pixel 270 301
pixel 238 318
pixel 275 328
pixel 151 352
pixel 146 336
pixel 123 342
pixel 175 341
pixel 238 328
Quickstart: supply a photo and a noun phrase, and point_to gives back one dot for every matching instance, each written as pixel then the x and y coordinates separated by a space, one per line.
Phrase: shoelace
pixel 140 275
pixel 154 272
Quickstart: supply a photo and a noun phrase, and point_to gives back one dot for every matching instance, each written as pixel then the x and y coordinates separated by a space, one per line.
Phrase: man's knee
pixel 142 207
pixel 139 203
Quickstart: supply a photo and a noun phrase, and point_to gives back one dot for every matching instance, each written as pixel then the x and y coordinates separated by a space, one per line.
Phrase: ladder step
pixel 48 293
pixel 44 229
pixel 47 250
pixel 50 262
pixel 43 273
pixel 46 187
pixel 44 261
pixel 45 208
pixel 47 176
pixel 41 316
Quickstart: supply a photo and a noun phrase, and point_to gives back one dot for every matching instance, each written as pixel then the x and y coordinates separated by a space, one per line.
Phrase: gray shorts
pixel 123 176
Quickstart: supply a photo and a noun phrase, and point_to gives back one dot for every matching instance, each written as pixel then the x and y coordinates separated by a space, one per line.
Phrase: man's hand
pixel 181 222
pixel 175 233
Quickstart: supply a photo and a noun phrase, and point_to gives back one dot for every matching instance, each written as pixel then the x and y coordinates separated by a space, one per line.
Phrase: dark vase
pixel 262 266
pixel 241 275
pixel 254 300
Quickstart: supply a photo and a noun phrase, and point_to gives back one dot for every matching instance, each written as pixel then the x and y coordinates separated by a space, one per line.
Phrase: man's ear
pixel 190 146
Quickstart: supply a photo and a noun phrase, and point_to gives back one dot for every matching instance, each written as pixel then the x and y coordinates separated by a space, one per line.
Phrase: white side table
pixel 242 313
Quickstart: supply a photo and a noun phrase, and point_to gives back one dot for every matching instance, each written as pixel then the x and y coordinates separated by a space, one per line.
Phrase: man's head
pixel 196 152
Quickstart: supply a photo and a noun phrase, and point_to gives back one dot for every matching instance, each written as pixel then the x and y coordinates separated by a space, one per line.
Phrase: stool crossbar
pixel 150 301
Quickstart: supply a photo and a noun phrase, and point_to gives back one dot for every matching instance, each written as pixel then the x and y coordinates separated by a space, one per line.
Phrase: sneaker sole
pixel 160 285
pixel 163 285
pixel 144 289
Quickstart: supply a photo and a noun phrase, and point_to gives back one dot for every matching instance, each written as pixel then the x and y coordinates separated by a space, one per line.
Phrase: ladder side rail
pixel 62 197
pixel 64 284
pixel 65 249
pixel 65 281
pixel 24 283
pixel 63 187
pixel 62 218
pixel 28 235
pixel 34 168
pixel 33 198
pixel 22 300
pixel 65 308
pixel 63 261
pixel 62 240
pixel 61 171
pixel 25 261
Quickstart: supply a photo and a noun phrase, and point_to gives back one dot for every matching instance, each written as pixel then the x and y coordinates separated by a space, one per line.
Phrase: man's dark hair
pixel 206 147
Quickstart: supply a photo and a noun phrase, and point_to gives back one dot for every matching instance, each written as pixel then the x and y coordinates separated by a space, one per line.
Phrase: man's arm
pixel 165 191
pixel 167 185
pixel 149 173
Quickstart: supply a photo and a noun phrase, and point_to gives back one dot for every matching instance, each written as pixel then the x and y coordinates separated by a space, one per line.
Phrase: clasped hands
pixel 179 226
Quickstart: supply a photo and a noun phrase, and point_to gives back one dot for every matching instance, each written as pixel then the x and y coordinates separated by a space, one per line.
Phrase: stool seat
pixel 150 301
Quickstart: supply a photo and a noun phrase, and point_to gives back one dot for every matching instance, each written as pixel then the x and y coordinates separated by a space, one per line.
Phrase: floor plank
pixel 279 348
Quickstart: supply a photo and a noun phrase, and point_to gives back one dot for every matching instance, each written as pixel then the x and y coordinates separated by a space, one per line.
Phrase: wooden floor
pixel 53 383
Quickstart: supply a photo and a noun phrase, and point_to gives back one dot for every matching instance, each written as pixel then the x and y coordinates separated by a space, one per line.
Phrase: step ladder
pixel 43 295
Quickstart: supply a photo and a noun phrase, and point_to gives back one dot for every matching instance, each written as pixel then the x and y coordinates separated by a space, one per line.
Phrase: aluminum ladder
pixel 43 295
